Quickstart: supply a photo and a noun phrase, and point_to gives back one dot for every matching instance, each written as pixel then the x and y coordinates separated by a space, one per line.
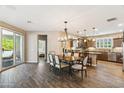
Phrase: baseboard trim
pixel 30 63
pixel 11 67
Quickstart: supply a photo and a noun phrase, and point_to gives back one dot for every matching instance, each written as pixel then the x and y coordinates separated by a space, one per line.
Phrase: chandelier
pixel 65 37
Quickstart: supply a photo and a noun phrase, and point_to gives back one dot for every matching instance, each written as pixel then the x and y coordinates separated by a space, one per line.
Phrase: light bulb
pixel 93 40
pixel 120 25
pixel 85 40
pixel 69 36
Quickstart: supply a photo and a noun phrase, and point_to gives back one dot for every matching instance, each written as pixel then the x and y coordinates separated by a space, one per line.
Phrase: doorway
pixel 42 48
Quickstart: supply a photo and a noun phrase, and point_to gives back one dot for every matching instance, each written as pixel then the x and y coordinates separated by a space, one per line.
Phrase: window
pixel 18 48
pixel 104 43
pixel 75 44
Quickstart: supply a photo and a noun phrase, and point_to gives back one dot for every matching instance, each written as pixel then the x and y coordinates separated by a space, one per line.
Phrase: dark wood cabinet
pixel 117 42
pixel 103 56
pixel 110 57
pixel 91 44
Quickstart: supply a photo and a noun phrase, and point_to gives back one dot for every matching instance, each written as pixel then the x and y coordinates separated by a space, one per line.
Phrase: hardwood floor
pixel 106 74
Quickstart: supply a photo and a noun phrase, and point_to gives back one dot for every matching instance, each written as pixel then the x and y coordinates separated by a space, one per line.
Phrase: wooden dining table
pixel 70 60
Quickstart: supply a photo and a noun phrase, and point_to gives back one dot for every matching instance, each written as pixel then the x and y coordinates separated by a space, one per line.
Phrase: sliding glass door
pixel 0 50
pixel 18 49
pixel 7 48
pixel 11 48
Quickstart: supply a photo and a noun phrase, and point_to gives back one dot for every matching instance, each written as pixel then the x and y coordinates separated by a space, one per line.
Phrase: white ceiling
pixel 51 18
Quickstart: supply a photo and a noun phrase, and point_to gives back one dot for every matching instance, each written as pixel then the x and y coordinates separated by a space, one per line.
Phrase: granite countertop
pixel 103 51
pixel 93 52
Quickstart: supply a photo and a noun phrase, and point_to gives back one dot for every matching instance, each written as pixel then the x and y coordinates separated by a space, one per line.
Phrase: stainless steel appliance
pixel 112 56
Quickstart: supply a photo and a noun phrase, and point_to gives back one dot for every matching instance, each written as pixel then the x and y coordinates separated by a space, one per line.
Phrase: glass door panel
pixel 7 48
pixel 0 52
pixel 18 49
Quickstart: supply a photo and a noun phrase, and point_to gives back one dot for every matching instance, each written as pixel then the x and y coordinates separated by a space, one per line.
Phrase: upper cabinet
pixel 91 44
pixel 117 42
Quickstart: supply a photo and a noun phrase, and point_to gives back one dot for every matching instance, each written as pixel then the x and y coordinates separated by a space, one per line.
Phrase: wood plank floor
pixel 106 74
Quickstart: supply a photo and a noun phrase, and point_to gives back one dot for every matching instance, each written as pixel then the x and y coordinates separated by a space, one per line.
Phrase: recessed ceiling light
pixel 121 30
pixel 120 25
pixel 93 28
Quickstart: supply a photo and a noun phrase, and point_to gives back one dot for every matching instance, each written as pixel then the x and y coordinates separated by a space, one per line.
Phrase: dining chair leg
pixel 49 68
pixel 60 72
pixel 56 71
pixel 82 74
pixel 86 73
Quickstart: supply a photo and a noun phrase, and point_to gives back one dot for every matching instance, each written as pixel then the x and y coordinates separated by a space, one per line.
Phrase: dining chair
pixel 59 64
pixel 76 56
pixel 51 62
pixel 81 67
pixel 68 54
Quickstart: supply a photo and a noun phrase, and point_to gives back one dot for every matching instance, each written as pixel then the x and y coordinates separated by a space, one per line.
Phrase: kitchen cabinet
pixel 91 44
pixel 110 57
pixel 117 42
pixel 103 56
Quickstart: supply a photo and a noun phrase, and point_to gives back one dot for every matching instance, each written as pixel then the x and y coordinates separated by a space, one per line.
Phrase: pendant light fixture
pixel 94 29
pixel 65 29
pixel 85 40
pixel 65 37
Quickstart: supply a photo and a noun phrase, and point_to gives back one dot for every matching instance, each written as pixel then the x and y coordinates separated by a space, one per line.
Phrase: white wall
pixel 31 44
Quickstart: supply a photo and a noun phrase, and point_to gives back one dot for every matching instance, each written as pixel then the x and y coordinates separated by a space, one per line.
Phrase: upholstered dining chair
pixel 81 67
pixel 51 61
pixel 76 56
pixel 68 54
pixel 60 65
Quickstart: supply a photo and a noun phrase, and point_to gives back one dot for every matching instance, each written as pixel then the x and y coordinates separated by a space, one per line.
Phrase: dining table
pixel 70 60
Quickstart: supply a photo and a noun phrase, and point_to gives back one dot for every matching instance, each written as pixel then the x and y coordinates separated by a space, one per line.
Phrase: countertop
pixel 101 52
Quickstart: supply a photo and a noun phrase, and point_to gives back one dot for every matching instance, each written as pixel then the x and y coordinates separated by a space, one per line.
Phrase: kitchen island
pixel 93 56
